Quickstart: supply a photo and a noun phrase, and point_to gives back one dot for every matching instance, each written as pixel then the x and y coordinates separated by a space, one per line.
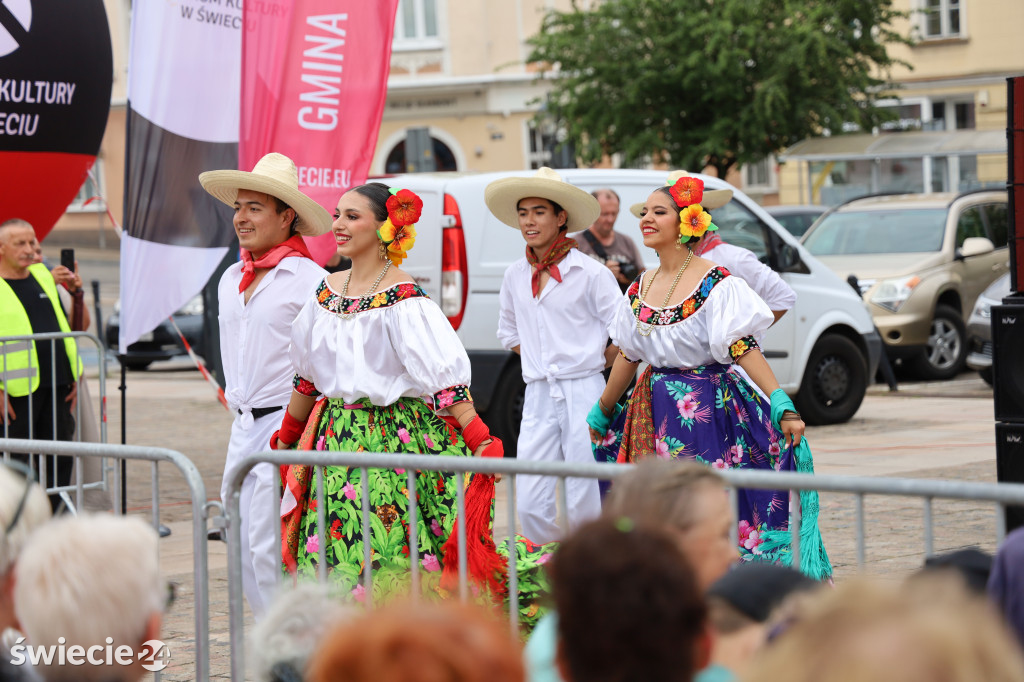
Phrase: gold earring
pixel 382 250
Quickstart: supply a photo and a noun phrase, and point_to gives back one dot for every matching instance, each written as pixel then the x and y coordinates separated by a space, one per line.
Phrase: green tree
pixel 714 82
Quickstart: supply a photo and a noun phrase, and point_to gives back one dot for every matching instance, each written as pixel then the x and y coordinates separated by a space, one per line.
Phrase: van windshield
pixel 894 231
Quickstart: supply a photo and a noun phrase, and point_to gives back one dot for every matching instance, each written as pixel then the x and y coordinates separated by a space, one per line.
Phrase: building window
pixel 760 175
pixel 953 115
pixel 941 18
pixel 443 159
pixel 543 139
pixel 549 144
pixel 416 21
pixel 92 187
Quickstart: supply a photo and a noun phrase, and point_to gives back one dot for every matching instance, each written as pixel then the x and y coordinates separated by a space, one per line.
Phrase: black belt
pixel 258 412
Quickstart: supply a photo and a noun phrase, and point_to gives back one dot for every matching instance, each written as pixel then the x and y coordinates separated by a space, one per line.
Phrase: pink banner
pixel 314 81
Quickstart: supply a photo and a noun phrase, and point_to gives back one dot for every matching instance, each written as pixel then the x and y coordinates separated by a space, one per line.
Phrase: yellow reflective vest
pixel 19 363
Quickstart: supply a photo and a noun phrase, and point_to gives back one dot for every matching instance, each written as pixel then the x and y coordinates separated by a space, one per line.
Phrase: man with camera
pixel 614 249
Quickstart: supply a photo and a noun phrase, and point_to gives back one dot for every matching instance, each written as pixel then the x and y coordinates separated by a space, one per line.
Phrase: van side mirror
pixel 788 257
pixel 975 246
pixel 782 256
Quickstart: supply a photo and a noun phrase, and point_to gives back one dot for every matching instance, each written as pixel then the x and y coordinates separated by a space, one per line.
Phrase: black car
pixel 163 343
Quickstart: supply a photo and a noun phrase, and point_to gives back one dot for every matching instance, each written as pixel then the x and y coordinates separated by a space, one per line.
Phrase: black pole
pixel 98 316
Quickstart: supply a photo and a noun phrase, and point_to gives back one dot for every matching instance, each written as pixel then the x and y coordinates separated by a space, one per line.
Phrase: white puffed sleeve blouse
pixel 716 323
pixel 394 344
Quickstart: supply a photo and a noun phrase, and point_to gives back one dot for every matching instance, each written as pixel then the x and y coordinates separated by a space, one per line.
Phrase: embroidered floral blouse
pixel 717 322
pixel 395 344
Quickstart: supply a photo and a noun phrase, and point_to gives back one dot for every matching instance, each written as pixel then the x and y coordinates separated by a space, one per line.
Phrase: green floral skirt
pixel 408 426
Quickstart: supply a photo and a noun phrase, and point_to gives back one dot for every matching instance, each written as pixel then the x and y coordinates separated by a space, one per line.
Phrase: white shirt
pixel 724 311
pixel 563 333
pixel 254 336
pixel 765 282
pixel 399 344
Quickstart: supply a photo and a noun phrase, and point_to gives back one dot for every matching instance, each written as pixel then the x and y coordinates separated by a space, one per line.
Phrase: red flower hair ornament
pixel 404 207
pixel 398 233
pixel 687 191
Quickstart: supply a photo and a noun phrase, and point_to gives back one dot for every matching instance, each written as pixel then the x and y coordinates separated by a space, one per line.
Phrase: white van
pixel 824 351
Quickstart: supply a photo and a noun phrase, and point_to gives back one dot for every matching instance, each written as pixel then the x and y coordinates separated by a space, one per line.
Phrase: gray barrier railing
pixel 197 491
pixel 999 494
pixel 16 344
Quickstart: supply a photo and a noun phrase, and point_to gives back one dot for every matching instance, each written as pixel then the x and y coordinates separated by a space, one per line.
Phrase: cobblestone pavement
pixel 937 431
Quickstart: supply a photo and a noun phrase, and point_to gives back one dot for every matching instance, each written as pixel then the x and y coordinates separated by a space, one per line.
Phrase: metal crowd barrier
pixel 14 344
pixel 999 494
pixel 200 508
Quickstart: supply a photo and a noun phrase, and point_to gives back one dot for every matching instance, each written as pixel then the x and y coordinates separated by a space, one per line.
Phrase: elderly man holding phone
pixel 43 374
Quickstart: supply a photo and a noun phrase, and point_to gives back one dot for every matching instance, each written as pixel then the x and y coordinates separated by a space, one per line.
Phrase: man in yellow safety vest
pixel 37 385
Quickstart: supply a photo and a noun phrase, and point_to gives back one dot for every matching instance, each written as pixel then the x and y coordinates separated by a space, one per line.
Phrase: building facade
pixel 460 94
pixel 462 97
pixel 949 130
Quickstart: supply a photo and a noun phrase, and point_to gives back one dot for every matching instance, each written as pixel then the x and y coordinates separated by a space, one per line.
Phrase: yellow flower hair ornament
pixel 398 233
pixel 694 221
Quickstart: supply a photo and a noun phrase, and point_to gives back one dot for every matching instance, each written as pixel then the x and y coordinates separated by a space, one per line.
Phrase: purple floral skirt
pixel 711 415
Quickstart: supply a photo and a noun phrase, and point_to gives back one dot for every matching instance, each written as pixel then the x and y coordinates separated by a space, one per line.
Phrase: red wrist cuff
pixel 291 429
pixel 494 449
pixel 475 433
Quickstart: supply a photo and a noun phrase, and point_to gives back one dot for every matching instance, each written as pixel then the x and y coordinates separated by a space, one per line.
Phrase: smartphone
pixel 67 259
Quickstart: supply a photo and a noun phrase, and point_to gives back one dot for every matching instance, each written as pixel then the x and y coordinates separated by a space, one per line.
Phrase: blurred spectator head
pixel 971 564
pixel 929 628
pixel 629 606
pixel 608 200
pixel 282 642
pixel 688 498
pixel 739 606
pixel 91 580
pixel 23 508
pixel 1006 582
pixel 419 643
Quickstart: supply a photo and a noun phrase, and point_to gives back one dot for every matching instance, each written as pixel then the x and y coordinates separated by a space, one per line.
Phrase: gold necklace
pixel 347 313
pixel 644 328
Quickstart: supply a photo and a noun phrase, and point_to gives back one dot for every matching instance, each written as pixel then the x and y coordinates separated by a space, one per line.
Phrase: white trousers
pixel 259 506
pixel 554 429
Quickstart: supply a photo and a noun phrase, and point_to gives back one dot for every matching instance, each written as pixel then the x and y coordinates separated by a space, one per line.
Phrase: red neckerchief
pixel 549 262
pixel 710 242
pixel 293 246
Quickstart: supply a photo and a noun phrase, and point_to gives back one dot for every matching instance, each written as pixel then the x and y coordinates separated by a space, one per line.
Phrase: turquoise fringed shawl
pixel 814 560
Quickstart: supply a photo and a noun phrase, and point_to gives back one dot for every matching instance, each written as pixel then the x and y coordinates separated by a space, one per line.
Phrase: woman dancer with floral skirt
pixel 691 320
pixel 394 378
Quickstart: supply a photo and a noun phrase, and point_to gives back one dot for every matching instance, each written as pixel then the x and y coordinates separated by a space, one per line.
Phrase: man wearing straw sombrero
pixel 259 299
pixel 556 304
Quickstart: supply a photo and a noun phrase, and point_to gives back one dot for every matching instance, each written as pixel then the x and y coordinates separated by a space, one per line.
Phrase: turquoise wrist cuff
pixel 598 420
pixel 780 403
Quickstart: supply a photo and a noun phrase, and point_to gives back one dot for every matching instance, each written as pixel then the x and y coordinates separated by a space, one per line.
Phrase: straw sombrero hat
pixel 502 196
pixel 713 198
pixel 275 174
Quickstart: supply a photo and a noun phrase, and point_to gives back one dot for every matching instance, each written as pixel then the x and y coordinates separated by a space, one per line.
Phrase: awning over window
pixel 897 145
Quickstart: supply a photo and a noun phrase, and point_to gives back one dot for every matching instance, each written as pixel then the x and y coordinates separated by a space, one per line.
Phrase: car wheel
pixel 986 375
pixel 944 356
pixel 834 381
pixel 505 413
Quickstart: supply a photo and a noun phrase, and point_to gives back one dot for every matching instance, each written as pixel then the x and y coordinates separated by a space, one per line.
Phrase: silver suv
pixel 921 260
